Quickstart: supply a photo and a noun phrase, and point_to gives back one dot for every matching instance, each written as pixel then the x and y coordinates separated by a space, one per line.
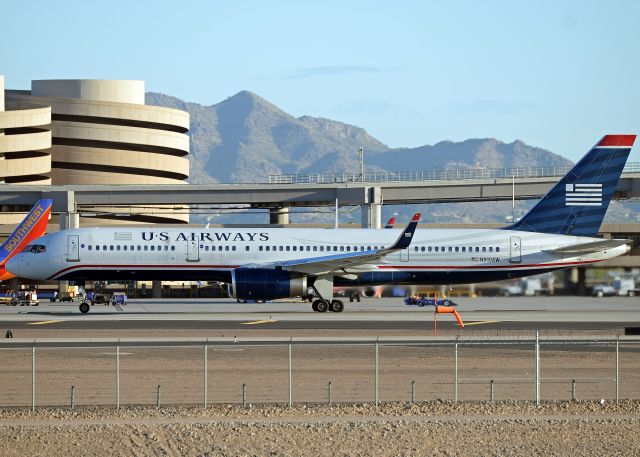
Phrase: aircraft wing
pixel 336 263
pixel 587 248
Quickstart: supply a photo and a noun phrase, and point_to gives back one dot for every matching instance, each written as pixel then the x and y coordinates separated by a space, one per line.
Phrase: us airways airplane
pixel 558 232
pixel 33 226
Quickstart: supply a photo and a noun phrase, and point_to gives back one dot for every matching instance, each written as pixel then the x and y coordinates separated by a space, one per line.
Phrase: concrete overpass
pixel 70 201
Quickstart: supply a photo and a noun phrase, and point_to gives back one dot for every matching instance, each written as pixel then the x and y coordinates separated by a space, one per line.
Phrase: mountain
pixel 245 138
pixel 473 153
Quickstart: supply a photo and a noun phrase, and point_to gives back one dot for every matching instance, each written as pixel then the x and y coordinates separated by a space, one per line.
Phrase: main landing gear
pixel 322 306
pixel 323 287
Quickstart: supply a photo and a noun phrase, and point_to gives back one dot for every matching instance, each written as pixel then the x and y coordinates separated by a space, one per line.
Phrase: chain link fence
pixel 203 372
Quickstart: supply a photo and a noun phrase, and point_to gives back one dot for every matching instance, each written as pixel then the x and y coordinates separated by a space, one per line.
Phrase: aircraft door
pixel 404 255
pixel 73 248
pixel 515 250
pixel 193 251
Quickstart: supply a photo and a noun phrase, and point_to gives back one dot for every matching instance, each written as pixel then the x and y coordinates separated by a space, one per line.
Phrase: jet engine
pixel 265 284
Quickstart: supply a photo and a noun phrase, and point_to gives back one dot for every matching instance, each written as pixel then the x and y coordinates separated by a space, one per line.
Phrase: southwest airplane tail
pixel 33 226
pixel 576 205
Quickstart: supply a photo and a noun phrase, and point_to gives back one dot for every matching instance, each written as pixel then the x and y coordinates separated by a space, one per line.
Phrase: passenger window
pixel 490 248
pixel 335 248
pixel 226 248
pixel 416 249
pixel 266 247
pixel 341 248
pixel 219 248
pixel 89 247
pixel 450 249
pixel 287 248
pixel 315 248
pixel 117 247
pixel 153 248
pixel 429 249
pixel 146 248
pixel 309 248
pixel 464 249
pixel 280 248
pixel 348 248
pixel 139 248
pixel 233 248
pixel 484 249
pixel 477 249
pixel 166 248
pixel 246 248
pixel 436 249
pixel 497 249
pixel 457 249
pixel 125 247
pixel 259 248
pixel 173 248
pixel 295 248
pixel 111 248
pixel 104 247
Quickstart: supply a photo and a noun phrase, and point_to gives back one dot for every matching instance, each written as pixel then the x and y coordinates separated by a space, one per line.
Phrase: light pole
pixel 361 155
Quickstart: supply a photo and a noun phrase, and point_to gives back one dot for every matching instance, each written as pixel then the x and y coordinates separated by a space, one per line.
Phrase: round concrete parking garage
pixel 24 149
pixel 103 133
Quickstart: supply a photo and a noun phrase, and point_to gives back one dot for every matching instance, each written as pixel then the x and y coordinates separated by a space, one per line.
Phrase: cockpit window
pixel 35 248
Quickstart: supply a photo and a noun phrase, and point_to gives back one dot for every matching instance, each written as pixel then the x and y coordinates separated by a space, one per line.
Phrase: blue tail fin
pixel 577 203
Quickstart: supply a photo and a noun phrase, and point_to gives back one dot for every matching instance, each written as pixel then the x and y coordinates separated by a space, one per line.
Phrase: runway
pixel 501 313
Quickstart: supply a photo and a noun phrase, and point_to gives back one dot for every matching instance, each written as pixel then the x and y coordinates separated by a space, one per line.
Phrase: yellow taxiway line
pixel 42 322
pixel 479 323
pixel 268 321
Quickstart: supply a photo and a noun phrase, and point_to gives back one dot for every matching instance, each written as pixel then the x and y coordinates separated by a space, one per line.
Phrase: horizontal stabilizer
pixel 587 248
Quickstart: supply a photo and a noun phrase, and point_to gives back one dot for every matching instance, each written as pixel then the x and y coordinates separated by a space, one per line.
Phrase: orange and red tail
pixel 32 227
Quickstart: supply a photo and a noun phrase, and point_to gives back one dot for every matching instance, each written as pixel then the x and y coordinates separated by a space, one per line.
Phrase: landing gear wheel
pixel 322 306
pixel 336 306
pixel 314 305
pixel 84 307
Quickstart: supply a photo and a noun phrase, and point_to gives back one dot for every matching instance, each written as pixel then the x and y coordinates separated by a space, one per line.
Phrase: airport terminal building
pixel 68 132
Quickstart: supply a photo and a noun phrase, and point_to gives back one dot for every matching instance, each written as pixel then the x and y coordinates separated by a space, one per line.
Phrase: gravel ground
pixel 431 428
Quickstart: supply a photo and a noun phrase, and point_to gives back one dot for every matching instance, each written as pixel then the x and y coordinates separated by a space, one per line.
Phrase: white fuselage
pixel 435 256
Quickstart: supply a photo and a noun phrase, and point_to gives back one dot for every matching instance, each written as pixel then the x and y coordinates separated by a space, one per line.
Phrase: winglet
pixel 404 240
pixel 390 223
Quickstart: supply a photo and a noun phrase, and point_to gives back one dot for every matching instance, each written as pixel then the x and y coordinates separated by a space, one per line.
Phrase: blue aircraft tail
pixel 577 203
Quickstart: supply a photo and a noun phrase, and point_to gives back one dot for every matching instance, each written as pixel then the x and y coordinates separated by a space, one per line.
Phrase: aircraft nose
pixel 14 265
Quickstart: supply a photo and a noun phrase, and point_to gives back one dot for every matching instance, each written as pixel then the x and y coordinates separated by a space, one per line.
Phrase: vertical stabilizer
pixel 577 204
pixel 33 226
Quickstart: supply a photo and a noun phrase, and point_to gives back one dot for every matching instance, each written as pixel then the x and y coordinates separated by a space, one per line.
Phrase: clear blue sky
pixel 554 74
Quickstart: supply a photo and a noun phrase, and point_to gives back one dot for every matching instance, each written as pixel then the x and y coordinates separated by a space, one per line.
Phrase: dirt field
pixel 432 428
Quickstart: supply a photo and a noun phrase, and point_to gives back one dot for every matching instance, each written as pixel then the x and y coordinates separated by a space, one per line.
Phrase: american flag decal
pixel 122 236
pixel 584 195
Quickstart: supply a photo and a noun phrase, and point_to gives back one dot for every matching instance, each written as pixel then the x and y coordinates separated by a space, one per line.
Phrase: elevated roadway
pixel 370 195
